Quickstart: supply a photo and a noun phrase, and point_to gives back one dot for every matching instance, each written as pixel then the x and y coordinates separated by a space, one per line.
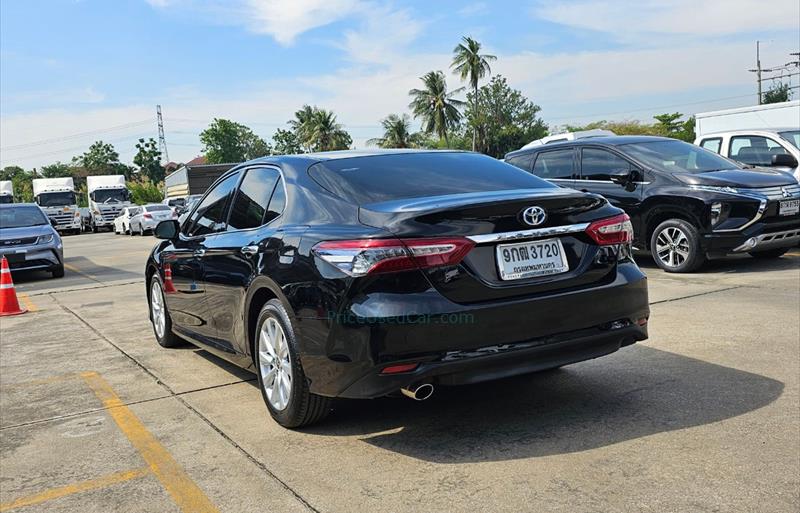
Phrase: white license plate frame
pixel 789 207
pixel 553 262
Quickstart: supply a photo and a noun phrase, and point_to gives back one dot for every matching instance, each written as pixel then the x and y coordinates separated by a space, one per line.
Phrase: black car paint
pixel 653 196
pixel 349 328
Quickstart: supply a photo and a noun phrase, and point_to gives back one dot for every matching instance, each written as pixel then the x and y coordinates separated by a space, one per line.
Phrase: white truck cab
pixel 6 191
pixel 108 195
pixel 56 197
pixel 777 148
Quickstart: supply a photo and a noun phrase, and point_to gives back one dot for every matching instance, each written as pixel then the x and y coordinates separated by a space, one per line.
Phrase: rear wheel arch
pixel 262 290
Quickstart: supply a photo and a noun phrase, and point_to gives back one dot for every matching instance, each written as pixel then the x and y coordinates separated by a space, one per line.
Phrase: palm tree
pixel 301 124
pixel 396 133
pixel 470 64
pixel 325 134
pixel 437 107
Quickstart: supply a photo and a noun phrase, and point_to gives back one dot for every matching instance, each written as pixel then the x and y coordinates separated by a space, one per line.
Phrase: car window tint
pixel 209 216
pixel 754 150
pixel 597 164
pixel 252 198
pixel 524 162
pixel 157 208
pixel 277 203
pixel 555 164
pixel 377 178
pixel 714 144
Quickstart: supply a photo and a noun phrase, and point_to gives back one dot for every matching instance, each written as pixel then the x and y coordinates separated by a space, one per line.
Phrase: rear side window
pixel 597 164
pixel 156 208
pixel 277 203
pixel 524 162
pixel 555 165
pixel 376 178
pixel 714 144
pixel 209 216
pixel 252 198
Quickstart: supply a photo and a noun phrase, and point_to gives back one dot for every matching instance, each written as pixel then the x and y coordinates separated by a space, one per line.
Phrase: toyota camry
pixel 362 274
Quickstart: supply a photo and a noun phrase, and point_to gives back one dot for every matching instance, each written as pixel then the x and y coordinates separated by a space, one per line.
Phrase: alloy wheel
pixel 672 246
pixel 275 363
pixel 157 309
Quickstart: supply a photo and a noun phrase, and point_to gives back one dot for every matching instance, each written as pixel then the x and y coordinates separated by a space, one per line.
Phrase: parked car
pixel 360 274
pixel 29 240
pixel 175 204
pixel 148 216
pixel 686 203
pixel 778 148
pixel 122 223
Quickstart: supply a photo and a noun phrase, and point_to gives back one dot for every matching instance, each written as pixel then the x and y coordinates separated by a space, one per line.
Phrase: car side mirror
pixel 621 176
pixel 784 160
pixel 167 230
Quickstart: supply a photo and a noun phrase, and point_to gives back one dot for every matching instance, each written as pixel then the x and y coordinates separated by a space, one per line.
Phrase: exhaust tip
pixel 418 392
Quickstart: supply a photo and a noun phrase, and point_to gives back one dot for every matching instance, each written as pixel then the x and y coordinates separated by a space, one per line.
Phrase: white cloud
pixel 474 9
pixel 688 17
pixel 383 35
pixel 285 20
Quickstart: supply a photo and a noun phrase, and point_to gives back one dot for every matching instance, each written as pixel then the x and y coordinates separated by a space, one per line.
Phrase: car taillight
pixel 372 256
pixel 147 216
pixel 614 230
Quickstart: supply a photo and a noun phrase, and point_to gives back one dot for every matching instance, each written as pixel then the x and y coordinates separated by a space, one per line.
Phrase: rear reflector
pixel 613 230
pixel 397 369
pixel 372 256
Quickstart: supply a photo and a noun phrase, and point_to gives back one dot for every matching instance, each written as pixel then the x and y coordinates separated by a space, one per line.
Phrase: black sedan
pixel 360 274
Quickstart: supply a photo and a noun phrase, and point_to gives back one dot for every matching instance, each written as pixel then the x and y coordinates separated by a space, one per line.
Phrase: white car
pixel 777 148
pixel 122 223
pixel 148 217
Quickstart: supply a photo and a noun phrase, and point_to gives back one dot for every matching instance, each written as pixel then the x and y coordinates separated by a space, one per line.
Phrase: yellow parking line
pixel 63 491
pixel 186 494
pixel 26 301
pixel 78 271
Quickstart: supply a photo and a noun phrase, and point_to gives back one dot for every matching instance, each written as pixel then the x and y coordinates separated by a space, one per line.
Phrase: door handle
pixel 199 252
pixel 249 250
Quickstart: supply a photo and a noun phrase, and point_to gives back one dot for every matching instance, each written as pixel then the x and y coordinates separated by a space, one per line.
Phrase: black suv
pixel 686 203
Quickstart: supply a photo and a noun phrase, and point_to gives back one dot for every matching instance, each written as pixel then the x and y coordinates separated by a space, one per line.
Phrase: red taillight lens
pixel 614 230
pixel 397 369
pixel 371 256
pixel 147 216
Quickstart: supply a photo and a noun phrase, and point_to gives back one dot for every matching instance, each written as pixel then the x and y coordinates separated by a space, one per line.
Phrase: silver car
pixel 28 239
pixel 148 216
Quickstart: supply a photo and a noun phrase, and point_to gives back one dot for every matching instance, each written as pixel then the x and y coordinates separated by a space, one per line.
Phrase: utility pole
pixel 162 141
pixel 757 71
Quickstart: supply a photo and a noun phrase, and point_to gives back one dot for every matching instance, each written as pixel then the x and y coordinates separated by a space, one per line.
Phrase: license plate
pixel 789 208
pixel 15 258
pixel 529 259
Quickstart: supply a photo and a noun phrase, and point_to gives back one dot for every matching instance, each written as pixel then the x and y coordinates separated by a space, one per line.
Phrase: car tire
pixel 675 247
pixel 769 253
pixel 94 227
pixel 159 316
pixel 58 272
pixel 277 359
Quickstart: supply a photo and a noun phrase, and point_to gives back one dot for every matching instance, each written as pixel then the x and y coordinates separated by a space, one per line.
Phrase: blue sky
pixel 72 71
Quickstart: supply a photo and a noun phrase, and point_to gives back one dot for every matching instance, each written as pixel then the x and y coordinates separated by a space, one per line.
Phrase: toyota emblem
pixel 534 216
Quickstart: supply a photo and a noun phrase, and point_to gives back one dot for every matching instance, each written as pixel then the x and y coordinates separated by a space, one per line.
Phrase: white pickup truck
pixel 761 135
pixel 56 196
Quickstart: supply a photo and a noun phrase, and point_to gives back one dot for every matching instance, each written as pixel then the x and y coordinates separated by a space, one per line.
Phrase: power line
pixel 76 135
pixel 65 150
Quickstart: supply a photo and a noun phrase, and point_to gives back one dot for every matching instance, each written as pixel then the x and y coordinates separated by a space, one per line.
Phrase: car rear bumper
pixel 454 344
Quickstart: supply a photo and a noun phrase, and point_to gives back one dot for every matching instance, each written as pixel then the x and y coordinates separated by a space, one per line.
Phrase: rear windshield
pixel 156 208
pixel 373 179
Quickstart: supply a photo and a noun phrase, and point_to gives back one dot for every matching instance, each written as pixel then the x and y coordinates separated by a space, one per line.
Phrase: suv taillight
pixel 372 256
pixel 614 230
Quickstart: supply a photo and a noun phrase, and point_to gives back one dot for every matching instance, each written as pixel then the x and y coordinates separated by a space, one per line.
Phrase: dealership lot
pixel 705 415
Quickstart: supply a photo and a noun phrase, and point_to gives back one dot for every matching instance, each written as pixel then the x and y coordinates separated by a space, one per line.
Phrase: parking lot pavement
pixel 705 415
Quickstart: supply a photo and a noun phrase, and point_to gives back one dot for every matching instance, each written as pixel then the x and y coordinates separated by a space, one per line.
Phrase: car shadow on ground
pixel 739 264
pixel 637 392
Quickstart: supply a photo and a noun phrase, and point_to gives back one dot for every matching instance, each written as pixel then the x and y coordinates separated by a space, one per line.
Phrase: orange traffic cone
pixel 169 288
pixel 8 298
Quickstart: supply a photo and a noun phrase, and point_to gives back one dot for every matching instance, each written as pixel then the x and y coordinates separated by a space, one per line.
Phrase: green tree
pixel 286 143
pixel 436 106
pixel 57 170
pixel 470 65
pixel 326 134
pixel 148 158
pixel 21 181
pixel 100 159
pixel 502 119
pixel 144 191
pixel 396 133
pixel 670 125
pixel 225 141
pixel 779 92
pixel 302 123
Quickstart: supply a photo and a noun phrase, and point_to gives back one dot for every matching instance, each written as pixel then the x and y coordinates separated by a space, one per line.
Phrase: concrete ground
pixel 704 416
